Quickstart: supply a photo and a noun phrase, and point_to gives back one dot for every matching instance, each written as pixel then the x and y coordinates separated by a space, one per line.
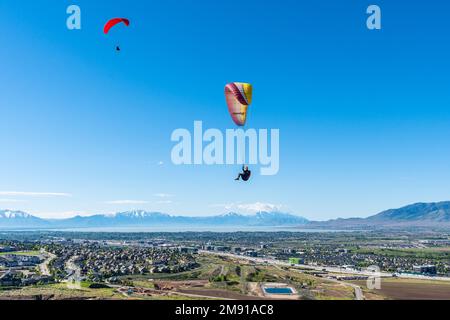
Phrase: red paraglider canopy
pixel 111 23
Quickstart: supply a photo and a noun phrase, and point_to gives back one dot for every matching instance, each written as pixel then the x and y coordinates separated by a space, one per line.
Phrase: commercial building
pixel 425 269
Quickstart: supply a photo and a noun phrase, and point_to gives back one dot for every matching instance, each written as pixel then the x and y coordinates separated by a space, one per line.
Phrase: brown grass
pixel 406 289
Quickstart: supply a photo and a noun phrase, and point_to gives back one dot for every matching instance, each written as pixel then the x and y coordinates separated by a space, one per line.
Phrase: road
pixel 74 272
pixel 358 292
pixel 287 264
pixel 125 293
pixel 44 266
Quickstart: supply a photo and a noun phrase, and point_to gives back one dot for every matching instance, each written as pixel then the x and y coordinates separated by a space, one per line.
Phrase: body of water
pixel 198 229
pixel 278 290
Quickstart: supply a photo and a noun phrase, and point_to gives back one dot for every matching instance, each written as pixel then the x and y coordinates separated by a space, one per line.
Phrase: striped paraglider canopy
pixel 239 97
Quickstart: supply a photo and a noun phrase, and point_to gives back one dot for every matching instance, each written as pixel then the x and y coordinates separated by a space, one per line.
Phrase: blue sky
pixel 364 116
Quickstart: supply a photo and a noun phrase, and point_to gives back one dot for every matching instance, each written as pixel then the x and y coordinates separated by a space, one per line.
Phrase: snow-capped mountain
pixel 9 214
pixel 140 218
pixel 20 219
pixel 140 214
pixel 419 215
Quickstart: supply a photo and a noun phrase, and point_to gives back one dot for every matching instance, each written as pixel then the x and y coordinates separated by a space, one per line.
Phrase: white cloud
pixel 259 206
pixel 226 206
pixel 127 202
pixel 163 195
pixel 11 201
pixel 34 194
pixel 250 207
pixel 164 202
pixel 160 163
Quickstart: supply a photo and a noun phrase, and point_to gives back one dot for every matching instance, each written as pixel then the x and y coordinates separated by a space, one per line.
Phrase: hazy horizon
pixel 269 210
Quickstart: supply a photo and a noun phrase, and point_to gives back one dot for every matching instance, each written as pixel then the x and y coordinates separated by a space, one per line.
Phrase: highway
pixel 302 266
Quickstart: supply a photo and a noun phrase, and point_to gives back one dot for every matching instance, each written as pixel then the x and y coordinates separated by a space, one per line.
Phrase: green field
pixel 425 253
pixel 21 253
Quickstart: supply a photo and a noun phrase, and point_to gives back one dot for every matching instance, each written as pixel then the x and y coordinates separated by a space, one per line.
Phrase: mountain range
pixel 435 214
pixel 415 215
pixel 138 218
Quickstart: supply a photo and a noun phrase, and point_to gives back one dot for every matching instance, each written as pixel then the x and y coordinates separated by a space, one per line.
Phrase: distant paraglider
pixel 239 98
pixel 112 23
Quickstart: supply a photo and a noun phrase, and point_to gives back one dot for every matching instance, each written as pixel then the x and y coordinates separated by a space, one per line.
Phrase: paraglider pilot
pixel 245 175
